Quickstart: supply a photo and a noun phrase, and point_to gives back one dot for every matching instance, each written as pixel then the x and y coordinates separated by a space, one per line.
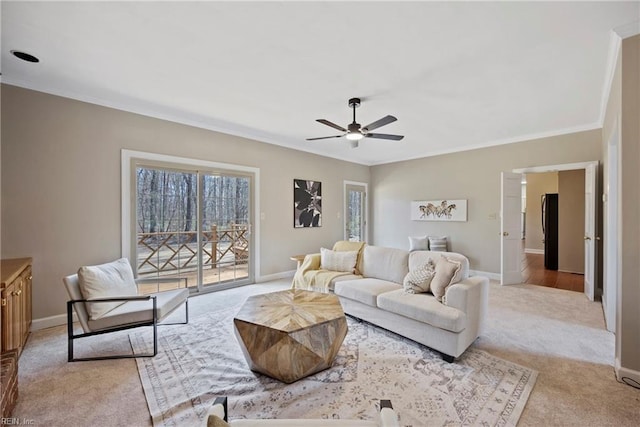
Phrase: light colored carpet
pixel 200 361
pixel 558 333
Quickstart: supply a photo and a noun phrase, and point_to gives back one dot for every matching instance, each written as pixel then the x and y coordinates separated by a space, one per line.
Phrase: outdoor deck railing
pixel 169 251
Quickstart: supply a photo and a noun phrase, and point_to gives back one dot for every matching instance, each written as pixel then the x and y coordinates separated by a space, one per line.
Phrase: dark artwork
pixel 307 203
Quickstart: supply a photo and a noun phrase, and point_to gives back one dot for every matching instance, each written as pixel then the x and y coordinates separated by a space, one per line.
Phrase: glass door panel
pixel 166 238
pixel 226 230
pixel 355 212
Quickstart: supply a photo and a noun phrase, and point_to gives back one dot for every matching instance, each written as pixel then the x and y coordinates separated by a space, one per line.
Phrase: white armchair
pixel 105 300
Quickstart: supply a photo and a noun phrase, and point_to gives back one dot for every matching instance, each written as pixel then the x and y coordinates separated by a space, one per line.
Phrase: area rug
pixel 202 360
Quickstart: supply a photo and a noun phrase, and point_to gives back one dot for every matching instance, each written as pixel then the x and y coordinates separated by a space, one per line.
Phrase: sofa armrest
pixel 470 296
pixel 311 262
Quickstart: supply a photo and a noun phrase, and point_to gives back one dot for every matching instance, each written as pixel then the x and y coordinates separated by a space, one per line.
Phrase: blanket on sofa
pixel 310 277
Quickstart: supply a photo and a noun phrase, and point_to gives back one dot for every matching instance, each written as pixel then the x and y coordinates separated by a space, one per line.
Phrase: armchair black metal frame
pixel 153 322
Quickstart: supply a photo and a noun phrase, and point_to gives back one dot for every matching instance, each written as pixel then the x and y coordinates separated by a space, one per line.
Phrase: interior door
pixel 590 243
pixel 511 243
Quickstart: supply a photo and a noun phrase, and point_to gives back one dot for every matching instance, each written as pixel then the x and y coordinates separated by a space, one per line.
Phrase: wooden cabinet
pixel 15 301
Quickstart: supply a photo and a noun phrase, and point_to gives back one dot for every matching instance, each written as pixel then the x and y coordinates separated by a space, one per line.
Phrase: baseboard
pixel 534 251
pixel 571 272
pixel 492 276
pixel 50 322
pixel 627 376
pixel 275 276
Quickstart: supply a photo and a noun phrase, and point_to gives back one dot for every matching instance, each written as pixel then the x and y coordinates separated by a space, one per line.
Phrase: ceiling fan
pixel 354 132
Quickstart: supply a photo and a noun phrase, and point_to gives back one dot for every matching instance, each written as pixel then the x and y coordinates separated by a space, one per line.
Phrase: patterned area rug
pixel 202 360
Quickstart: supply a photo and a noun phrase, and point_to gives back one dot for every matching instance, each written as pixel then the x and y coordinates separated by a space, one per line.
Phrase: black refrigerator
pixel 550 230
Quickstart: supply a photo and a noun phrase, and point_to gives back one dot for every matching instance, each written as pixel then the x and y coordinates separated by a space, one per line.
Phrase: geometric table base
pixel 289 335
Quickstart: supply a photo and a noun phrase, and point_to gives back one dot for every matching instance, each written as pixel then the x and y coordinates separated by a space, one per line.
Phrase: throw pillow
pixel 113 279
pixel 418 281
pixel 418 243
pixel 343 261
pixel 438 244
pixel 446 272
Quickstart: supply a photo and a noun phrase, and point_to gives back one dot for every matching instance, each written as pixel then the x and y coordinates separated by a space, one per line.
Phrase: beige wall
pixel 61 185
pixel 629 327
pixel 538 184
pixel 473 175
pixel 571 221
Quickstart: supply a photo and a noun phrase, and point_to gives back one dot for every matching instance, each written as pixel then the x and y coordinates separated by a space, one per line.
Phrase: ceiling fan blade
pixel 325 137
pixel 333 125
pixel 379 123
pixel 384 136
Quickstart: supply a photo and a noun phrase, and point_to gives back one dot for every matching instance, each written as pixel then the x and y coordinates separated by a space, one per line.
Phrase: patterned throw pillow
pixel 343 261
pixel 446 270
pixel 438 244
pixel 419 280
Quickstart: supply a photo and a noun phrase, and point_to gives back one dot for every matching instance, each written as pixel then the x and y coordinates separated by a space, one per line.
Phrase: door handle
pixel 587 238
pixel 506 233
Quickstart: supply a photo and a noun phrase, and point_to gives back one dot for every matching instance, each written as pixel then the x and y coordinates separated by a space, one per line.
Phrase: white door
pixel 511 243
pixel 590 243
pixel 609 291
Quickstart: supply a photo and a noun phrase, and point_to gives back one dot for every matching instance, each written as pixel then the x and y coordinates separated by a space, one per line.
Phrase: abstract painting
pixel 307 203
pixel 439 210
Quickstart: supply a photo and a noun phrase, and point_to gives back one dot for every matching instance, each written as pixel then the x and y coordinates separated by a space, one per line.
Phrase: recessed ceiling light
pixel 24 56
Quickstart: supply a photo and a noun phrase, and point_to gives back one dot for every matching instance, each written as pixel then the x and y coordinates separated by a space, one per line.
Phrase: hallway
pixel 534 273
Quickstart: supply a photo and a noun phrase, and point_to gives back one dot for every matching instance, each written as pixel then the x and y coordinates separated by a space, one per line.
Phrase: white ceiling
pixel 457 75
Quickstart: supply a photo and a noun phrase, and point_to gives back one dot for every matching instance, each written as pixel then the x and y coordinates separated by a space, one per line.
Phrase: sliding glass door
pixel 192 227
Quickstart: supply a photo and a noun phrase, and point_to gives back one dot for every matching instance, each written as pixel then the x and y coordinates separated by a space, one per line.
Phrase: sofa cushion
pixel 341 261
pixel 346 245
pixel 447 271
pixel 423 308
pixel 113 279
pixel 419 258
pixel 365 290
pixel 385 263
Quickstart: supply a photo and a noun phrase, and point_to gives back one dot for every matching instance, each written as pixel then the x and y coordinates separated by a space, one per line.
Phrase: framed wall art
pixel 307 203
pixel 439 210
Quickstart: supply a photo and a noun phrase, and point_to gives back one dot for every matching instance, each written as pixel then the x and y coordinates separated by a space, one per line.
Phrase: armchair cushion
pixel 141 311
pixel 113 279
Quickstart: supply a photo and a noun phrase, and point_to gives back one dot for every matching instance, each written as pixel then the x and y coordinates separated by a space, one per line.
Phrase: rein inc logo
pixel 17 422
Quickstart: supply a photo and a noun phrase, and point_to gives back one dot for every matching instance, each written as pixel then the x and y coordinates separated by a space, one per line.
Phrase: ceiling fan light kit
pixel 354 132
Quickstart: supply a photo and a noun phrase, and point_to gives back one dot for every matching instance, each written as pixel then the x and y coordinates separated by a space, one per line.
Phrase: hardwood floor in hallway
pixel 534 273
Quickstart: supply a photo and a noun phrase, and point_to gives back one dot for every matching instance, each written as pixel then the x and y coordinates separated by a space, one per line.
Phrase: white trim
pixel 366 206
pixel 534 251
pixel 615 43
pixel 622 373
pixel 556 168
pixel 275 276
pixel 521 138
pixel 492 276
pixel 628 30
pixel 128 155
pixel 50 322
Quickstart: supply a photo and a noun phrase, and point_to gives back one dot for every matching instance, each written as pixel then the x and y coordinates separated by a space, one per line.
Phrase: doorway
pixel 553 243
pixel 511 266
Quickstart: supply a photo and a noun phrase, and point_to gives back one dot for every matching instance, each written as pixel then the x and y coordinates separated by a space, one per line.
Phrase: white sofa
pixel 378 297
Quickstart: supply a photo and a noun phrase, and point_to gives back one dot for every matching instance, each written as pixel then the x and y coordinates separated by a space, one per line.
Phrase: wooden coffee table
pixel 290 334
